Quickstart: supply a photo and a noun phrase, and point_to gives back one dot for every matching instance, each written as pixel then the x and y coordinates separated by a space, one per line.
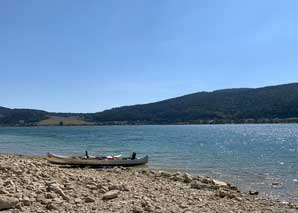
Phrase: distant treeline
pixel 275 104
pixel 243 121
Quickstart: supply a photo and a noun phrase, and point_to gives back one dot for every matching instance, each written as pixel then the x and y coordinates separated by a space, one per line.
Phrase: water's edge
pixel 254 157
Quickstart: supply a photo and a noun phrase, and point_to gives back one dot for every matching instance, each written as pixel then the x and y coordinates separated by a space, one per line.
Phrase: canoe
pixel 94 162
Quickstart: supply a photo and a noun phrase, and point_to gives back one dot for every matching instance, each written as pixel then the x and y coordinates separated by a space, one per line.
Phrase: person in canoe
pixel 133 156
pixel 86 154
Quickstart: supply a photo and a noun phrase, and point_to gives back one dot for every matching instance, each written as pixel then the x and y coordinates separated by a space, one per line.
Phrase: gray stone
pixel 40 197
pixel 177 178
pixel 111 195
pixel 55 188
pixel 78 200
pixel 198 185
pixel 219 183
pixel 222 194
pixel 187 178
pixel 7 202
pixel 8 183
pixel 103 189
pixel 51 195
pixel 114 187
pixel 26 201
pixel 52 206
pixel 3 191
pixel 89 200
pixel 253 192
pixel 165 174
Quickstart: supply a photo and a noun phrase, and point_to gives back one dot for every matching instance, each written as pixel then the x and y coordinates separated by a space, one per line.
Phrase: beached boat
pixel 95 161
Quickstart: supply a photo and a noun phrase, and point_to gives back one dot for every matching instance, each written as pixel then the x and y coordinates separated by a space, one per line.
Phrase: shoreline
pixel 269 190
pixel 33 185
pixel 144 124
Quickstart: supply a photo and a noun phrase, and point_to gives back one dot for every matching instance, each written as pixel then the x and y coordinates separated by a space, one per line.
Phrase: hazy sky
pixel 87 56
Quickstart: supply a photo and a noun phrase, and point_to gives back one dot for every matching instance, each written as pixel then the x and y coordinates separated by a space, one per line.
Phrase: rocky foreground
pixel 30 184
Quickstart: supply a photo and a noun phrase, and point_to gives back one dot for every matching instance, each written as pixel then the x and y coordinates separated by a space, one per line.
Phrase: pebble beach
pixel 30 184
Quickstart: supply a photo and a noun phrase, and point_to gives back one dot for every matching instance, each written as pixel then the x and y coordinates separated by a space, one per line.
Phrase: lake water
pixel 250 156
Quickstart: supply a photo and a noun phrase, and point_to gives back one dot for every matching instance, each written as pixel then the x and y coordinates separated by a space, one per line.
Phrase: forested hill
pixel 221 106
pixel 267 104
pixel 21 116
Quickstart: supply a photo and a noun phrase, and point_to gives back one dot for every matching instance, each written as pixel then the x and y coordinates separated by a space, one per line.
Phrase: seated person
pixel 133 156
pixel 86 153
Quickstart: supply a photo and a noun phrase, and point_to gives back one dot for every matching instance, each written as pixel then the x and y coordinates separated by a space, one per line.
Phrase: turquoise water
pixel 251 156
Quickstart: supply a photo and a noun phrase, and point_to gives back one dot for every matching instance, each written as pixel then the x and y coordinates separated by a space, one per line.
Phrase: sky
pixel 88 56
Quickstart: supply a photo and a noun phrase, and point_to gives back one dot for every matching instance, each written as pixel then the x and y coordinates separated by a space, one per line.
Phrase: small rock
pixel 121 187
pixel 117 170
pixel 26 201
pixel 89 186
pixel 177 174
pixel 137 209
pixel 222 194
pixel 8 183
pixel 233 187
pixel 183 205
pixel 51 182
pixel 69 186
pixel 51 195
pixel 135 173
pixel 40 197
pixel 103 189
pixel 124 188
pixel 111 195
pixel 219 183
pixel 198 185
pixel 7 202
pixel 165 174
pixel 94 192
pixel 177 177
pixel 238 199
pixel 187 178
pixel 293 206
pixel 55 188
pixel 253 192
pixel 20 206
pixel 275 183
pixel 3 191
pixel 52 206
pixel 45 201
pixel 89 200
pixel 57 200
pixel 18 172
pixel 145 171
pixel 114 187
pixel 207 180
pixel 78 200
pixel 148 208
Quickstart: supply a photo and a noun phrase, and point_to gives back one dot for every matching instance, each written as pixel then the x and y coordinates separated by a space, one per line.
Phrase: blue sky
pixel 87 56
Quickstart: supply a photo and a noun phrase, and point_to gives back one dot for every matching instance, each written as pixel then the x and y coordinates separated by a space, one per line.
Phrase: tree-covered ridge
pixel 21 116
pixel 267 104
pixel 275 102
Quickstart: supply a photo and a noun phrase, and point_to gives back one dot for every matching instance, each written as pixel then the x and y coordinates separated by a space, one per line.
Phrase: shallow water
pixel 251 156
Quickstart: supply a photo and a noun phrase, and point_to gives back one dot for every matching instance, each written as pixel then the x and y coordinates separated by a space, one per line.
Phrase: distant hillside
pixel 31 117
pixel 262 105
pixel 12 117
pixel 221 106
